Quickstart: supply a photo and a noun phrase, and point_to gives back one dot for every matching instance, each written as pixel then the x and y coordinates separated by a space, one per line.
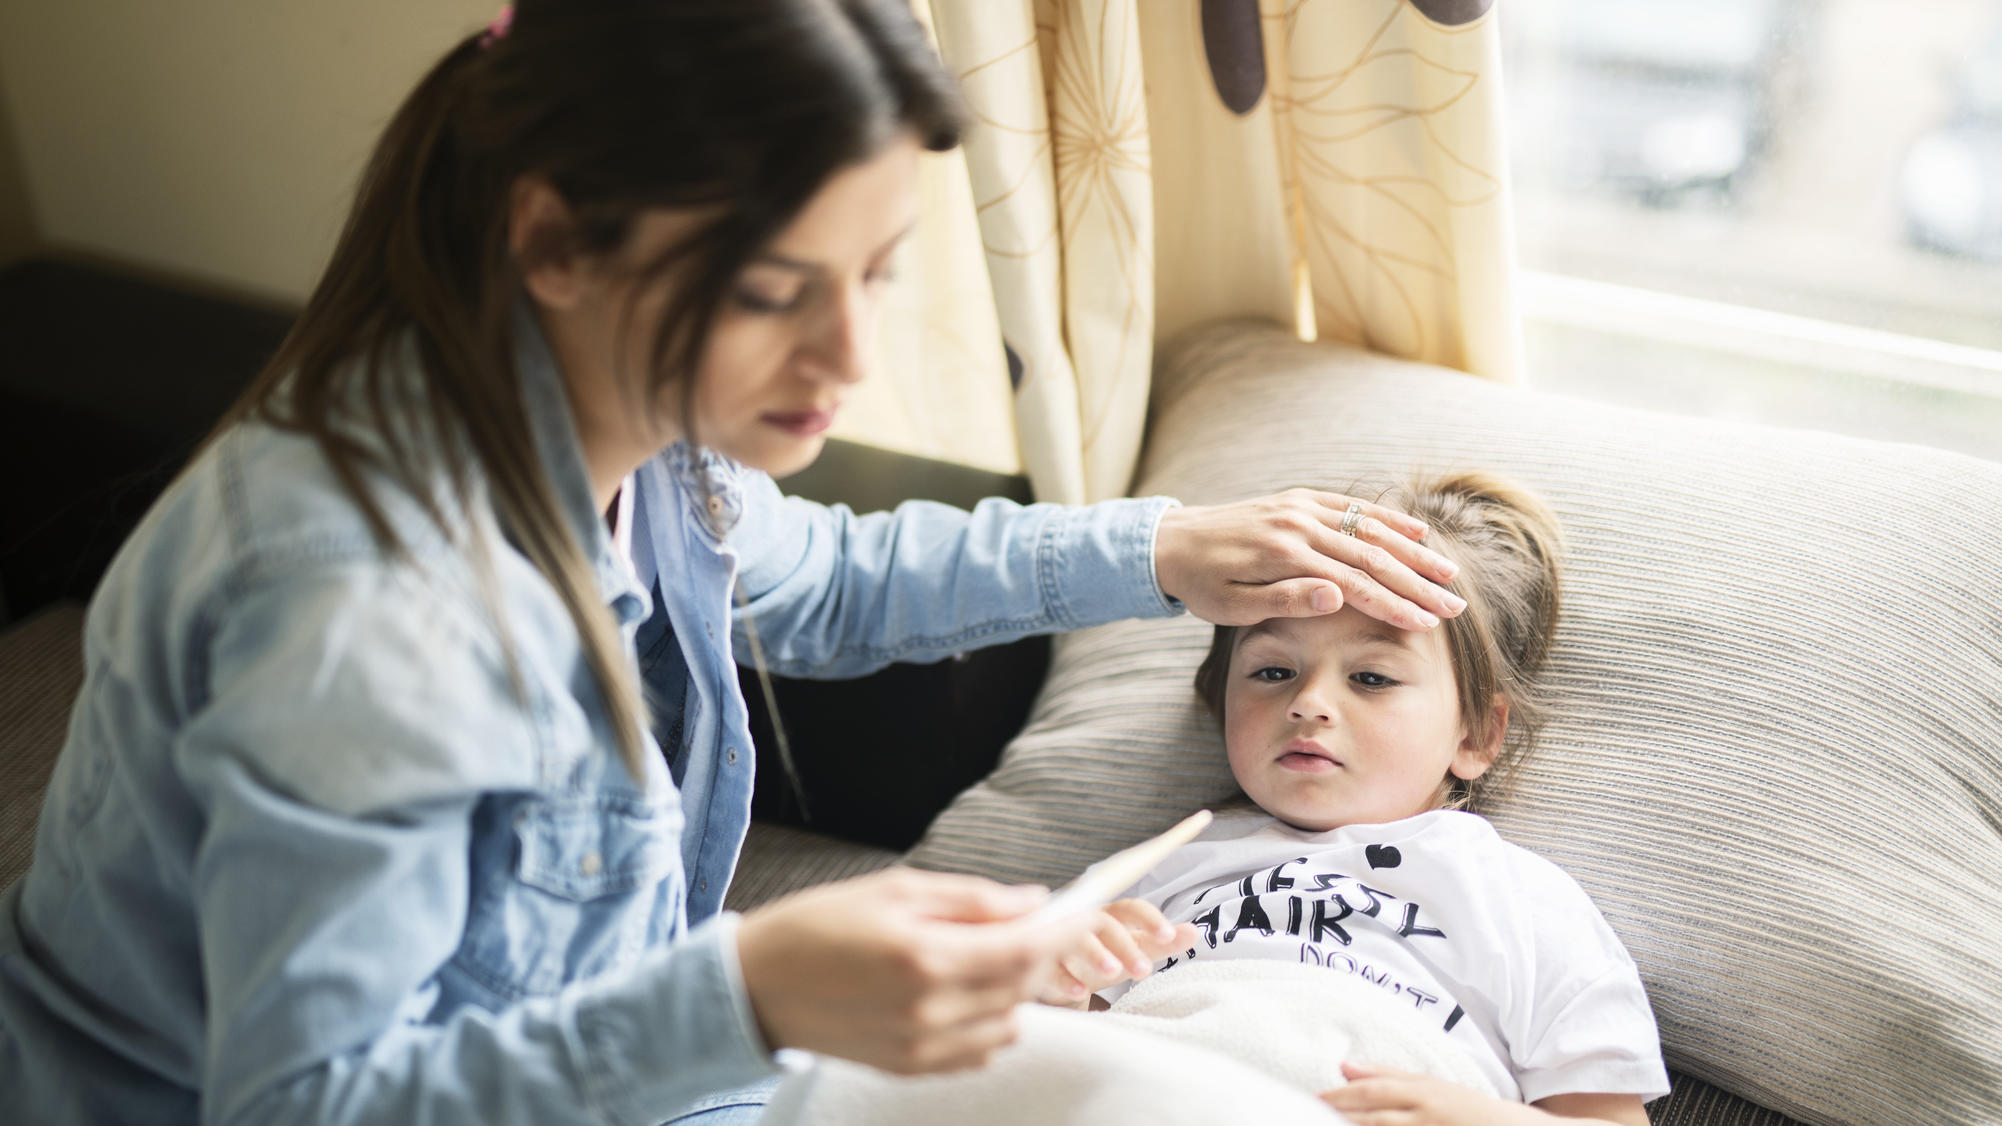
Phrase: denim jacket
pixel 312 854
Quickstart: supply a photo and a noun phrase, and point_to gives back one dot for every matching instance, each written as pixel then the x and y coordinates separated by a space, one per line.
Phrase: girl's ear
pixel 538 226
pixel 1477 750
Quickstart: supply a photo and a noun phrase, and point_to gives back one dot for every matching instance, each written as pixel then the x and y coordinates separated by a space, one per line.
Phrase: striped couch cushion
pixel 1779 767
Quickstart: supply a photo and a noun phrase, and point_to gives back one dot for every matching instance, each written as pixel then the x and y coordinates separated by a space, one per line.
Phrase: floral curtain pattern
pixel 1136 167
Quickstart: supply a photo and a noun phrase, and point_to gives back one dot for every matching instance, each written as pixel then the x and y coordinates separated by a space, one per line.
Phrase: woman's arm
pixel 339 761
pixel 835 594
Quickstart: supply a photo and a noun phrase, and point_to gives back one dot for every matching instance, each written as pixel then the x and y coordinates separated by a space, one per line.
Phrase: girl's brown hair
pixel 737 111
pixel 1509 549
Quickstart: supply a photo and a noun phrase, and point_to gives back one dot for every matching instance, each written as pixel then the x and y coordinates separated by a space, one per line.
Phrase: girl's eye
pixel 1272 674
pixel 1372 680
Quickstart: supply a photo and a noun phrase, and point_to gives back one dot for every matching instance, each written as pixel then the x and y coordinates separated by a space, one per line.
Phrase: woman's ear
pixel 1478 749
pixel 538 238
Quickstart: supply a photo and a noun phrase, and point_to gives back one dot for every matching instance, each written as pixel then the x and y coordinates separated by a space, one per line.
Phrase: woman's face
pixel 789 340
pixel 793 335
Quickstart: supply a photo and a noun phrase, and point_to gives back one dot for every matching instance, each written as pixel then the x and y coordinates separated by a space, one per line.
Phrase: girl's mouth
pixel 1307 758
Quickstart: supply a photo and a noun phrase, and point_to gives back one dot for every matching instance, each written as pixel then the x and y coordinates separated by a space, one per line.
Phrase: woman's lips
pixel 801 424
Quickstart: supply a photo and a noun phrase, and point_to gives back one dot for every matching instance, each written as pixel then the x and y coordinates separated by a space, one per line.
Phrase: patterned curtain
pixel 1139 166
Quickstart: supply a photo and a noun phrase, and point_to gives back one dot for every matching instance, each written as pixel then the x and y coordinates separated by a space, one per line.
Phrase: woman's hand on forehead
pixel 1287 556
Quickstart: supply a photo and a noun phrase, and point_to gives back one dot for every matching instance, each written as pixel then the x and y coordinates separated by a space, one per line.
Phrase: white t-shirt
pixel 1497 944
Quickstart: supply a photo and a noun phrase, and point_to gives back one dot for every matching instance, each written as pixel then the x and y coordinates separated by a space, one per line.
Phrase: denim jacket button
pixel 730 753
pixel 591 865
pixel 715 506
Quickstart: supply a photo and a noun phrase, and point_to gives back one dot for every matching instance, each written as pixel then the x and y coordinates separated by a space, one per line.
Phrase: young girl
pixel 1363 747
pixel 362 816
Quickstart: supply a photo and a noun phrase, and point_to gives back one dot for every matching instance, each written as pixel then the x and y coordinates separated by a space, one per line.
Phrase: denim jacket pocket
pixel 595 881
pixel 591 848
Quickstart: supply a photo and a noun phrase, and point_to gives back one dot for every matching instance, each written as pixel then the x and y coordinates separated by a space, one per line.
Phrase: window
pixel 1786 210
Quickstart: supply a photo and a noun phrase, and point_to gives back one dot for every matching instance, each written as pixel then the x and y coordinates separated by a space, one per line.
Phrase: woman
pixel 361 817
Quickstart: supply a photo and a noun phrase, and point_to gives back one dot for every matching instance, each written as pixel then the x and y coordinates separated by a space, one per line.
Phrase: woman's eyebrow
pixel 774 258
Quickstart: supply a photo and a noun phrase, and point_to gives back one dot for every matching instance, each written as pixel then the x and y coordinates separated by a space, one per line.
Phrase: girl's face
pixel 1343 720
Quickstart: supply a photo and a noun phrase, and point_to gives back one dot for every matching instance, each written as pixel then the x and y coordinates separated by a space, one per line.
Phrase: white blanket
pixel 1206 1042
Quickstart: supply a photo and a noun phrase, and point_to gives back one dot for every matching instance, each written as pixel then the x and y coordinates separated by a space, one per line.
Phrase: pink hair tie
pixel 498 29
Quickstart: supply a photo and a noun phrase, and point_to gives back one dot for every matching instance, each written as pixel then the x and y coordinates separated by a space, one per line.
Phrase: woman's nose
pixel 839 347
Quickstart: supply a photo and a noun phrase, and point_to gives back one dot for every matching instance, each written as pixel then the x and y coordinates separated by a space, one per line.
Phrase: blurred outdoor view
pixel 1836 162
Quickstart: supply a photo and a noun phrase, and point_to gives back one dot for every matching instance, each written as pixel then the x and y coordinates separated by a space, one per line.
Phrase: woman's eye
pixel 1372 680
pixel 750 300
pixel 1272 674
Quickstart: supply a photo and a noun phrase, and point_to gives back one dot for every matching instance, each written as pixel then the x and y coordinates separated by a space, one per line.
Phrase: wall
pixel 17 220
pixel 217 140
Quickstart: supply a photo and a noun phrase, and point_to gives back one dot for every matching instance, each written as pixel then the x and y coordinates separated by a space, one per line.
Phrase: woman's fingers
pixel 1286 556
pixel 1375 530
pixel 968 1046
pixel 969 899
pixel 878 970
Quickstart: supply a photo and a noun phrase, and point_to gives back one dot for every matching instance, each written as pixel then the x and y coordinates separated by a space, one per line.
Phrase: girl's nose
pixel 1311 703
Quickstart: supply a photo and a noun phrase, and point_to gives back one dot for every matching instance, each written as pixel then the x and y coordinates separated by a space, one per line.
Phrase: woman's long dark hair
pixel 736 110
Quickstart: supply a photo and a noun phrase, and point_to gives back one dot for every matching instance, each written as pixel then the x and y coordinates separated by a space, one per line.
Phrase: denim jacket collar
pixel 713 482
pixel 562 456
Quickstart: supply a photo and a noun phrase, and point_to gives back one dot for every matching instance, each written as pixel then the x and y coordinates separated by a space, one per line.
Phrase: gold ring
pixel 1352 519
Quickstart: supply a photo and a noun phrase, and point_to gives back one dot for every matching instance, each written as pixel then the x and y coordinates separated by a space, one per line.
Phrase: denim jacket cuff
pixel 1170 606
pixel 1100 561
pixel 648 1054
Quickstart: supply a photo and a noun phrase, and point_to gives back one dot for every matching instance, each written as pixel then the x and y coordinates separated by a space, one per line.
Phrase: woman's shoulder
pixel 255 606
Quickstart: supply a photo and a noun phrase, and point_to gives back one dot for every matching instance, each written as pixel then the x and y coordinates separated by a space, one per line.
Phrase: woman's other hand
pixel 1285 556
pixel 902 970
pixel 1126 940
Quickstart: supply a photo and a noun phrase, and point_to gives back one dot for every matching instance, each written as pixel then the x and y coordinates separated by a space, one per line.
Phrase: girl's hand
pixel 1375 1097
pixel 1284 556
pixel 902 970
pixel 1128 938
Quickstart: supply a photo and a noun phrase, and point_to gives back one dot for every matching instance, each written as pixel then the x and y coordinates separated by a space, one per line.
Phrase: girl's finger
pixel 1091 963
pixel 1143 919
pixel 1180 937
pixel 1119 942
pixel 1373 1094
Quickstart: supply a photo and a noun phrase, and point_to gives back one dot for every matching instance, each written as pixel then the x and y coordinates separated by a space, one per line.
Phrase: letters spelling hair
pixel 1509 548
pixel 735 112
